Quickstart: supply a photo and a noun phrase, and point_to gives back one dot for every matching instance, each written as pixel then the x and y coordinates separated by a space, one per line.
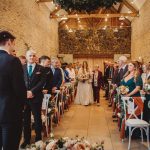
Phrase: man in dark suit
pixel 12 94
pixel 45 62
pixel 96 84
pixel 35 77
pixel 123 68
pixel 57 75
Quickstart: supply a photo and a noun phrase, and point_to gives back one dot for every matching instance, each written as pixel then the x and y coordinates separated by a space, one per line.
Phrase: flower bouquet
pixel 146 87
pixel 123 90
pixel 84 77
pixel 66 144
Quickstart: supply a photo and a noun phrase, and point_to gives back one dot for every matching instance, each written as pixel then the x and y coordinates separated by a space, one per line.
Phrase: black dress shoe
pixel 24 145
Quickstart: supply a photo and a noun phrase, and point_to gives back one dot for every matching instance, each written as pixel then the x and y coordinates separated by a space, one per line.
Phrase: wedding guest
pixel 146 72
pixel 45 62
pixel 35 77
pixel 12 94
pixel 123 68
pixel 133 80
pixel 57 75
pixel 71 72
pixel 22 59
pixel 66 73
pixel 106 78
pixel 96 84
pixel 13 52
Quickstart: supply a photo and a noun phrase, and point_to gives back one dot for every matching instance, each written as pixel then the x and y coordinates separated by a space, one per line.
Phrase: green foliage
pixel 85 5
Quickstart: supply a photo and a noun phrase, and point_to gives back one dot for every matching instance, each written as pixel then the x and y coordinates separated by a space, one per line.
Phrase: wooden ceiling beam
pixel 43 1
pixel 55 10
pixel 126 21
pixel 114 15
pixel 130 7
pixel 120 7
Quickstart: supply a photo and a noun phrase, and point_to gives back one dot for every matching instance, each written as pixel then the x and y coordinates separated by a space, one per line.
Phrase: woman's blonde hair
pixel 136 73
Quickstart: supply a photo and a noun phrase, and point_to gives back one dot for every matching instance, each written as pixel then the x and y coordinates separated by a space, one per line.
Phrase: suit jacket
pixel 99 80
pixel 12 88
pixel 35 83
pixel 57 78
pixel 49 79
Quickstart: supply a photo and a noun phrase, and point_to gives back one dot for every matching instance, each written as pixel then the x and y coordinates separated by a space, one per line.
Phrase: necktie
pixel 30 70
pixel 53 69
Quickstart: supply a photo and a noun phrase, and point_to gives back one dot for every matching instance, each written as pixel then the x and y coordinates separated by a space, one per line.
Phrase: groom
pixel 96 84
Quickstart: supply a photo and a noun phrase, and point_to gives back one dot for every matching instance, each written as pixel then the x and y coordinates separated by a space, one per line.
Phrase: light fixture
pixel 70 30
pixel 116 30
pixel 122 23
pixel 107 15
pixel 121 18
pixel 106 19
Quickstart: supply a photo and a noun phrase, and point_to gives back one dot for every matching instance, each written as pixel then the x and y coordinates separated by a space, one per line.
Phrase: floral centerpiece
pixel 66 144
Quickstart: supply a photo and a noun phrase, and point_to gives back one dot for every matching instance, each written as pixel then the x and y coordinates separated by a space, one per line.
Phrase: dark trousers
pixel 96 94
pixel 35 108
pixel 10 135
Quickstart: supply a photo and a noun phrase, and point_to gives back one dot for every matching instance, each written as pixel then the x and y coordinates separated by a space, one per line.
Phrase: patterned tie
pixel 30 70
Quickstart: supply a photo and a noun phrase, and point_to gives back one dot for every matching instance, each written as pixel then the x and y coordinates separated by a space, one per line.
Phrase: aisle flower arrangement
pixel 123 90
pixel 66 144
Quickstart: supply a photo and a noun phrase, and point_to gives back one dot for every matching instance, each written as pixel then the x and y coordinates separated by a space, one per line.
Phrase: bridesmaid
pixel 133 80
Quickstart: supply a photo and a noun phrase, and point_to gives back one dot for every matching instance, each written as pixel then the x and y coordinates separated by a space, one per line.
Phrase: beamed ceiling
pixel 119 15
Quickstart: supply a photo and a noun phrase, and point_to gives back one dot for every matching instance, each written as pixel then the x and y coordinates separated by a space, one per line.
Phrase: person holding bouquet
pixel 84 94
pixel 132 80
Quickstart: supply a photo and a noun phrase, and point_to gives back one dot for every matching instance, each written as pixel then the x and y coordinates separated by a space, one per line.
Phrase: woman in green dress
pixel 133 81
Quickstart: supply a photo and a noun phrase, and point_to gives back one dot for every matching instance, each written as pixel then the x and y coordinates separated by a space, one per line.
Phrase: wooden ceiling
pixel 112 17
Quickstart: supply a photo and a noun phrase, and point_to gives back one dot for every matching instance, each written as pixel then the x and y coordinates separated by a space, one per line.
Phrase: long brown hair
pixel 136 72
pixel 86 68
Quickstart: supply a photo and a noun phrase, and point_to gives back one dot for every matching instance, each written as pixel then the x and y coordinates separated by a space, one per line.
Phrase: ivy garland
pixel 85 5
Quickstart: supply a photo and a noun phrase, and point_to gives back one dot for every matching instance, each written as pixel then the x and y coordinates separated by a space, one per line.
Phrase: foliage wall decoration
pixel 95 42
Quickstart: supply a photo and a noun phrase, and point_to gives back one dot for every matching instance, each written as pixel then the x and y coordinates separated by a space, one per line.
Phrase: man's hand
pixel 29 94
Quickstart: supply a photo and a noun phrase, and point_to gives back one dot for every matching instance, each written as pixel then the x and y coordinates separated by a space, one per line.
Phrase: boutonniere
pixel 38 73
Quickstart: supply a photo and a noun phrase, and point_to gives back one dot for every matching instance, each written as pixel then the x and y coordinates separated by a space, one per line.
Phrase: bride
pixel 84 90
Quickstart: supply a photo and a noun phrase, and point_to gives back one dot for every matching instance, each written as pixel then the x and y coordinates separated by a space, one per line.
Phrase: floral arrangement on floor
pixel 85 5
pixel 66 144
pixel 123 90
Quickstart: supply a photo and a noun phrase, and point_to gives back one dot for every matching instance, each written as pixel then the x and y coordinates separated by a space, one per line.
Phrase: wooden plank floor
pixel 95 124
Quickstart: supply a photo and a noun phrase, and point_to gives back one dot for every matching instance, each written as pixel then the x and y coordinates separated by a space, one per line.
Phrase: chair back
pixel 45 101
pixel 133 107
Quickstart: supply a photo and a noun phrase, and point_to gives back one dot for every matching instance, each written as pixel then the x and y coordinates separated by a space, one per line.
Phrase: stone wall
pixel 140 43
pixel 31 25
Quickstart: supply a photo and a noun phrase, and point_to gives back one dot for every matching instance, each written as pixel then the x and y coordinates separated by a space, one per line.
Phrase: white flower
pixel 51 145
pixel 40 144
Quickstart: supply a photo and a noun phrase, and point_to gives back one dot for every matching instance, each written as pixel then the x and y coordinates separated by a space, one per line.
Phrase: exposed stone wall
pixel 31 25
pixel 140 46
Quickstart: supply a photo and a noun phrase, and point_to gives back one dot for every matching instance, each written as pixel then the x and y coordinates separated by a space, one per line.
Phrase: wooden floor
pixel 95 124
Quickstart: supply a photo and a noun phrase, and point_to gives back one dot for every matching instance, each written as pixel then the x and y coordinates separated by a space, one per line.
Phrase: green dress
pixel 131 84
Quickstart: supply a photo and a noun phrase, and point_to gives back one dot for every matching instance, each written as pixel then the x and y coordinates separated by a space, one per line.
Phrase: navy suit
pixel 12 98
pixel 57 78
pixel 96 89
pixel 34 83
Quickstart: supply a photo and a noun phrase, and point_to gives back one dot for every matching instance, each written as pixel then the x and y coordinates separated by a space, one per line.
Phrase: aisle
pixel 95 124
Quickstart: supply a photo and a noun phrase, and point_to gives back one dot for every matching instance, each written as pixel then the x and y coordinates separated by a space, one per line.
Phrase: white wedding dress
pixel 84 94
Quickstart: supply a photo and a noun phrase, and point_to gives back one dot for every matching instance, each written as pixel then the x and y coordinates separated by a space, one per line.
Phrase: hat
pixel 5 35
pixel 122 58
